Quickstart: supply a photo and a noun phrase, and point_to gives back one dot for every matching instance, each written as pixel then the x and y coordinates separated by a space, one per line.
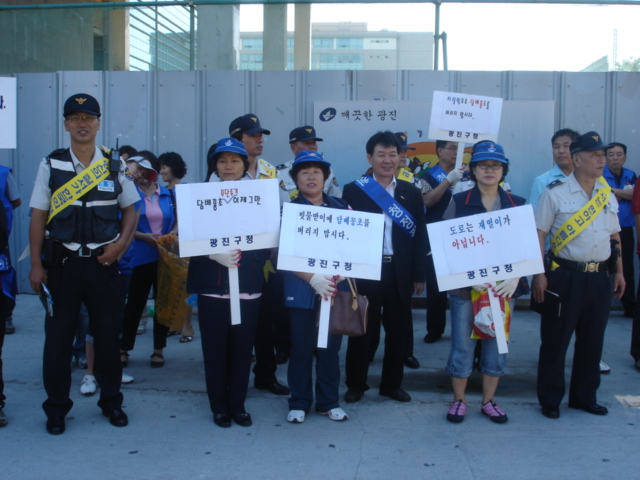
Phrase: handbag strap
pixel 352 285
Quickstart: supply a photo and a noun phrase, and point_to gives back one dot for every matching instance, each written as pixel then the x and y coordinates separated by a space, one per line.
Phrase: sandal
pixel 124 362
pixel 171 333
pixel 157 364
pixel 186 338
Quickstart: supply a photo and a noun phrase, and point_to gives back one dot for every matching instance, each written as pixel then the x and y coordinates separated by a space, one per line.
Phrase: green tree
pixel 629 65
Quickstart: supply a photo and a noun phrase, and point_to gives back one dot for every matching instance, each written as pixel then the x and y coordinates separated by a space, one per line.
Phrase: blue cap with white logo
pixel 230 145
pixel 488 151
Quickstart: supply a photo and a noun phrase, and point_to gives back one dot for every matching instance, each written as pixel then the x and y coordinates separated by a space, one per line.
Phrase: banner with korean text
pixel 485 248
pixel 467 118
pixel 219 217
pixel 330 241
pixel 8 112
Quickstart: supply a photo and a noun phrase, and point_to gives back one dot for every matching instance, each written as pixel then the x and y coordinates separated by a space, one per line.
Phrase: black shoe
pixel 431 338
pixel 638 365
pixel 396 394
pixel 9 329
pixel 592 408
pixel 353 395
pixel 412 362
pixel 275 387
pixel 551 412
pixel 242 419
pixel 222 420
pixel 55 425
pixel 282 358
pixel 117 417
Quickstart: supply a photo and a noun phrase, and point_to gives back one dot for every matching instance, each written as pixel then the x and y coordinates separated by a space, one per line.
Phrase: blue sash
pixel 388 204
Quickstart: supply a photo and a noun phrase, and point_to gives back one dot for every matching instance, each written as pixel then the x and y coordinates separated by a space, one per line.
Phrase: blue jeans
pixel 460 363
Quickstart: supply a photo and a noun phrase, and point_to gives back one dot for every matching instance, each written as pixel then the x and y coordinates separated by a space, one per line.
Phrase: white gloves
pixel 324 285
pixel 455 175
pixel 229 259
pixel 482 287
pixel 506 288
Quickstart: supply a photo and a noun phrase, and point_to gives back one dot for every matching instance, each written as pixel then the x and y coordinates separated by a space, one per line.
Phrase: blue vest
pixel 4 173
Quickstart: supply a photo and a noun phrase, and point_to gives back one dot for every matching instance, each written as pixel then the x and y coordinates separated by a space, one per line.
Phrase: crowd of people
pixel 96 217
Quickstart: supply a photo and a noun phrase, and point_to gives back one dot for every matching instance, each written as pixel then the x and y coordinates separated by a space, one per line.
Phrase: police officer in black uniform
pixel 76 240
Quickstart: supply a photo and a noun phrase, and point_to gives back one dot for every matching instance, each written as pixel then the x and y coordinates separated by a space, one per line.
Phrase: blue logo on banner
pixel 328 114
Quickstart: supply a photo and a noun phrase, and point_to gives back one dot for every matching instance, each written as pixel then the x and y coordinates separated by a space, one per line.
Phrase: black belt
pixel 387 258
pixel 586 267
pixel 83 252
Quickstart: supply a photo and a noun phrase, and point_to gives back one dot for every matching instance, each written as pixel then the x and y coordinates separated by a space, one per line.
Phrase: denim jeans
pixel 460 363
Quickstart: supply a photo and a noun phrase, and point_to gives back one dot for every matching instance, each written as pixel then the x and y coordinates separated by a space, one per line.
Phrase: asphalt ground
pixel 171 434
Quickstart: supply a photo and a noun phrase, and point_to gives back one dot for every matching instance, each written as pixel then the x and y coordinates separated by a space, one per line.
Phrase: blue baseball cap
pixel 488 151
pixel 229 145
pixel 306 156
pixel 402 141
pixel 81 102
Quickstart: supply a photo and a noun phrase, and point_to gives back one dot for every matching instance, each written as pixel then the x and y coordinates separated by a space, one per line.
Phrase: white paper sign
pixel 8 112
pixel 218 217
pixel 331 241
pixel 485 248
pixel 460 117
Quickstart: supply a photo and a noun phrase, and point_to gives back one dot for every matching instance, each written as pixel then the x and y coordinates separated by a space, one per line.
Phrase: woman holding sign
pixel 309 171
pixel 226 348
pixel 488 167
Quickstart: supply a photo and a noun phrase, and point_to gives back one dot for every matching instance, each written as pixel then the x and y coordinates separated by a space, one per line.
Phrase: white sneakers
pixel 296 416
pixel 88 385
pixel 336 414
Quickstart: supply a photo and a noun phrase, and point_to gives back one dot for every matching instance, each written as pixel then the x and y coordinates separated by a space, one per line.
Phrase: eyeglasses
pixel 451 149
pixel 492 166
pixel 85 118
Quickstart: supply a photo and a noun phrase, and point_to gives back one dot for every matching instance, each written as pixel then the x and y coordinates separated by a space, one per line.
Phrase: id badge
pixel 106 186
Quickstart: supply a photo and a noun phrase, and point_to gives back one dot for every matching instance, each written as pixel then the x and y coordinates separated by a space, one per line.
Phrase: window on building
pixel 251 44
pixel 289 43
pixel 250 61
pixel 322 43
pixel 349 44
pixel 336 61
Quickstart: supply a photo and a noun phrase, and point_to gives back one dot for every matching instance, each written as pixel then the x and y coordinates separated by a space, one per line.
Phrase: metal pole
pixel 436 37
pixel 192 36
pixel 445 60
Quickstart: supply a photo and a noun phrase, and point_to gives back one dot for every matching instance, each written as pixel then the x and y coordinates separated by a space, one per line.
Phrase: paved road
pixel 171 434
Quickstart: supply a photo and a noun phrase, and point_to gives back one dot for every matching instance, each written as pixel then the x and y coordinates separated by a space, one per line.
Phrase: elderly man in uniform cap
pixel 580 213
pixel 76 240
pixel 303 138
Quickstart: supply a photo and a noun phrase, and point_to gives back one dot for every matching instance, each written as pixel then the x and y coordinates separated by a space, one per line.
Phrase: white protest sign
pixel 223 216
pixel 466 118
pixel 8 112
pixel 485 248
pixel 330 241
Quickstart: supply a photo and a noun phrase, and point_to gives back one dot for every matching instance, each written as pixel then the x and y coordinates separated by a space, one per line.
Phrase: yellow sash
pixel 78 186
pixel 580 220
pixel 269 170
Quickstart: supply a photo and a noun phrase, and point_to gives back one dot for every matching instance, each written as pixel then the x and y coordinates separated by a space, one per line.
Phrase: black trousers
pixel 627 250
pixel 273 327
pixel 436 302
pixel 82 280
pixel 387 306
pixel 585 300
pixel 226 350
pixel 142 279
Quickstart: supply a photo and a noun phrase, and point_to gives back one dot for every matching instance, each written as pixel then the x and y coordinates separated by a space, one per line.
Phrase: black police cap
pixel 248 123
pixel 81 102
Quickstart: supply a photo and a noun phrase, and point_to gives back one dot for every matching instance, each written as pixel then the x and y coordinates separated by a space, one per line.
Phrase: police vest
pixel 91 219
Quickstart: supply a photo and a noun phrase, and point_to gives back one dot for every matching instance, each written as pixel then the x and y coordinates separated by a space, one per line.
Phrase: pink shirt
pixel 153 212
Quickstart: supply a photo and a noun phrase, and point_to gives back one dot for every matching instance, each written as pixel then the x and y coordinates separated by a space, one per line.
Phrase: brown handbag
pixel 349 312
